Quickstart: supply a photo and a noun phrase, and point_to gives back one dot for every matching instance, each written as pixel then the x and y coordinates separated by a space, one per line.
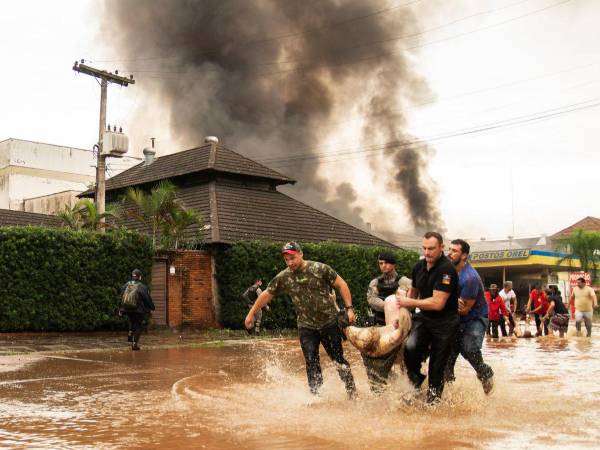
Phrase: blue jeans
pixel 469 340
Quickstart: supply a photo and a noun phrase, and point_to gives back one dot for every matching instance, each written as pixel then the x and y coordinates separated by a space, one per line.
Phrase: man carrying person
pixel 510 301
pixel 473 311
pixel 250 295
pixel 309 284
pixel 378 369
pixel 585 301
pixel 136 303
pixel 434 292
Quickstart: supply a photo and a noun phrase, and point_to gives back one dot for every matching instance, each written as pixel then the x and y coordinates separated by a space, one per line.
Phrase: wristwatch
pixel 350 307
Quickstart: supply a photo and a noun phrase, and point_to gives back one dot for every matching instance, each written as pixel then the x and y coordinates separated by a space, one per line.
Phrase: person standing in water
pixel 557 314
pixel 585 301
pixel 435 292
pixel 309 284
pixel 379 368
pixel 473 311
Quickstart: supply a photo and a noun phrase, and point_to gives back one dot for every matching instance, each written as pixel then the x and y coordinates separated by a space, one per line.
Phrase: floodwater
pixel 253 395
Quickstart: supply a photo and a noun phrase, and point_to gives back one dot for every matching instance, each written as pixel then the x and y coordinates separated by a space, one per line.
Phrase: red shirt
pixel 495 306
pixel 539 298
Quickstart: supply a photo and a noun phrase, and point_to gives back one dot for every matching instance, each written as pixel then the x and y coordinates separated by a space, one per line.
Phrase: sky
pixel 512 120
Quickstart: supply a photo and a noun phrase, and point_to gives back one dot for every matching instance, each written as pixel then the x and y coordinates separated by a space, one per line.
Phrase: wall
pixel 31 169
pixel 190 300
pixel 51 204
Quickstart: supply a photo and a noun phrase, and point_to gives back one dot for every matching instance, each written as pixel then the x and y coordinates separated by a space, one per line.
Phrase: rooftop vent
pixel 149 154
pixel 211 140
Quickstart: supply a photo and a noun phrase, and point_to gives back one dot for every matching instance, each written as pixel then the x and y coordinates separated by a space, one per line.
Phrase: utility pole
pixel 105 78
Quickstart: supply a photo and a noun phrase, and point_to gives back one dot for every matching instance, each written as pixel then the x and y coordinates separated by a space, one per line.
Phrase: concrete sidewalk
pixel 24 343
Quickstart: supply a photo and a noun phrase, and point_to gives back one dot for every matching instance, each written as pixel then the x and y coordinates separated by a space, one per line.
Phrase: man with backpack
pixel 250 296
pixel 136 303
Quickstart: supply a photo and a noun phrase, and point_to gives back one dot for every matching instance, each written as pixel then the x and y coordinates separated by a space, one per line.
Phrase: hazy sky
pixel 513 117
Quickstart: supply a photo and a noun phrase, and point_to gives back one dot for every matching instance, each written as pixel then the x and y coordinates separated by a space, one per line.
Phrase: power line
pixel 275 38
pixel 351 60
pixel 516 121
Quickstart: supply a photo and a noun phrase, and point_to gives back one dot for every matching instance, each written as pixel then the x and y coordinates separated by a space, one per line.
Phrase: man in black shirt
pixel 435 293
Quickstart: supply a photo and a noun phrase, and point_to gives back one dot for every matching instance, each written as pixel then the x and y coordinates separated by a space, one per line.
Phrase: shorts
pixel 560 322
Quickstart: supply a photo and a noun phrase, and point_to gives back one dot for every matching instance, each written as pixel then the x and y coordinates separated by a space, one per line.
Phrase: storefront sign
pixel 495 255
pixel 574 275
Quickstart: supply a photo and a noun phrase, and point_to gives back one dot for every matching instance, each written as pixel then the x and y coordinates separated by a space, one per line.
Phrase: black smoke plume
pixel 271 78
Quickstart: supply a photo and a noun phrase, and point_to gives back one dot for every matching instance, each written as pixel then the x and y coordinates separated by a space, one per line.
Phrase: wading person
pixel 557 314
pixel 538 300
pixel 496 309
pixel 136 303
pixel 510 301
pixel 378 369
pixel 250 295
pixel 434 292
pixel 309 284
pixel 473 311
pixel 585 301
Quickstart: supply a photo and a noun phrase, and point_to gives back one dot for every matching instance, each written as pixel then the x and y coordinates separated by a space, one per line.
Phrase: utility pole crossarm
pixel 108 76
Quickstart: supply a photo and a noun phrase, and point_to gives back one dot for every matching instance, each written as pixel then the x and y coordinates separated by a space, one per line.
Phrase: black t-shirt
pixel 441 277
pixel 559 306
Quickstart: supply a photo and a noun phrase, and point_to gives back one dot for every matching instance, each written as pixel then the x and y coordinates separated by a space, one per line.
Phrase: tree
pixel 161 210
pixel 84 215
pixel 178 221
pixel 584 245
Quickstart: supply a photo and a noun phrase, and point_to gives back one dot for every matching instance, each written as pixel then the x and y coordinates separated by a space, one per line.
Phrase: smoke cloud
pixel 273 79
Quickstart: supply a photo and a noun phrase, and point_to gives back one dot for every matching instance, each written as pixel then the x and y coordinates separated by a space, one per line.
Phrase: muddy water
pixel 253 395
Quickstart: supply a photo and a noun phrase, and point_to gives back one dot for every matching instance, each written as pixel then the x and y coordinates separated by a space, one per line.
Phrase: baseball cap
pixel 291 247
pixel 136 273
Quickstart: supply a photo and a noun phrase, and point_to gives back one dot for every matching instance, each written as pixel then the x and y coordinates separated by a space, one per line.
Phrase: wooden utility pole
pixel 105 78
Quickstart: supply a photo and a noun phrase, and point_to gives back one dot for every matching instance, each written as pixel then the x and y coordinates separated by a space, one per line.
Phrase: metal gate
pixel 158 290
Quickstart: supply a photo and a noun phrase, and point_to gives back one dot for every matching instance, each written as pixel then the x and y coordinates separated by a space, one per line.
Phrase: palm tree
pixel 154 210
pixel 178 221
pixel 84 215
pixel 584 245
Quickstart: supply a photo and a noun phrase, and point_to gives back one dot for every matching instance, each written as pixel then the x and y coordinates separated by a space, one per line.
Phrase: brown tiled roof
pixel 9 217
pixel 588 224
pixel 209 157
pixel 235 212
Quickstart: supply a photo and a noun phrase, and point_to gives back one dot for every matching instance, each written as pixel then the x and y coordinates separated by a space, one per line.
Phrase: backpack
pixel 129 301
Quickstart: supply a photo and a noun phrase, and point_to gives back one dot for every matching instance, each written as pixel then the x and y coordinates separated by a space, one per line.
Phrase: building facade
pixel 32 173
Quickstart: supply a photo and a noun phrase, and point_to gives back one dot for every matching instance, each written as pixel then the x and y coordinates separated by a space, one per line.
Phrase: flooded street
pixel 253 394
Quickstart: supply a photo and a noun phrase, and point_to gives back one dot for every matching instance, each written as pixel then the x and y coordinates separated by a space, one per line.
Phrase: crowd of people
pixel 545 305
pixel 451 313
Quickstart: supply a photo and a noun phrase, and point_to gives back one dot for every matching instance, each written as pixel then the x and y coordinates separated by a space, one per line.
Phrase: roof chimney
pixel 149 154
pixel 211 140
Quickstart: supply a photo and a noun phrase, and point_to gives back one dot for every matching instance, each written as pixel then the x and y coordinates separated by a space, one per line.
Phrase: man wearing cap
pixel 585 302
pixel 473 311
pixel 136 310
pixel 435 292
pixel 309 284
pixel 378 369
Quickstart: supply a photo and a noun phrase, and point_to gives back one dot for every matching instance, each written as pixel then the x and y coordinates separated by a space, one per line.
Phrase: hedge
pixel 55 279
pixel 242 263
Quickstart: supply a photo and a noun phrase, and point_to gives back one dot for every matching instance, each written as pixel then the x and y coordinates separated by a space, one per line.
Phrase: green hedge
pixel 239 265
pixel 55 279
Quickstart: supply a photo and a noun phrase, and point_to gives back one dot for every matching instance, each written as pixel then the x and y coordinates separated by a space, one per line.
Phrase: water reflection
pixel 253 395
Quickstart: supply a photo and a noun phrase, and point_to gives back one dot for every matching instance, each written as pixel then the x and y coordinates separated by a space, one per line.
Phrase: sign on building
pixel 574 275
pixel 495 255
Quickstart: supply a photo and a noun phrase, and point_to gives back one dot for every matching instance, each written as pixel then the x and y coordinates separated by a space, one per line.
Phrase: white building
pixel 30 170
